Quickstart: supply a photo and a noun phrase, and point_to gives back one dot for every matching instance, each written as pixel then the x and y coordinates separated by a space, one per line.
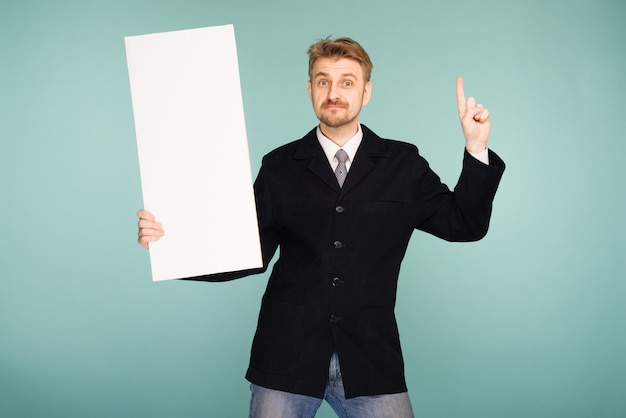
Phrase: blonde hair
pixel 340 48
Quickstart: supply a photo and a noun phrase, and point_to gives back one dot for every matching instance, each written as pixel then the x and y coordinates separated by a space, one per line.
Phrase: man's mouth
pixel 334 106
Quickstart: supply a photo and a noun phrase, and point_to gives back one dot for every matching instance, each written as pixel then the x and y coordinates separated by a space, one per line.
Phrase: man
pixel 342 203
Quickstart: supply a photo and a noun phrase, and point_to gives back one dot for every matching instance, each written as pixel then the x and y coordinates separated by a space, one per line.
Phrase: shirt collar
pixel 330 148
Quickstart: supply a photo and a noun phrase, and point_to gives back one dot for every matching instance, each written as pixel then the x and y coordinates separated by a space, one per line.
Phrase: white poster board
pixel 193 152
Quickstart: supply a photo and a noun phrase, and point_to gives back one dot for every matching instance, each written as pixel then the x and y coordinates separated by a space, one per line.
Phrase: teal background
pixel 528 322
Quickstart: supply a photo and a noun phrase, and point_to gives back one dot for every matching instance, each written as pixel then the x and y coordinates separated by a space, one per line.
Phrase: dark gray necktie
pixel 341 171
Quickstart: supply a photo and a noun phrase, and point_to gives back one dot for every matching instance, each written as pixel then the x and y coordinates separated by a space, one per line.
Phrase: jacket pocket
pixel 383 206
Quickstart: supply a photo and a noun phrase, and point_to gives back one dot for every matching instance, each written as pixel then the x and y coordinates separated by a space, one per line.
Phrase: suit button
pixel 337 282
pixel 334 319
pixel 339 209
pixel 338 245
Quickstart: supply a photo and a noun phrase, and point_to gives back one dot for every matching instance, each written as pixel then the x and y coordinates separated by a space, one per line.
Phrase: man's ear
pixel 367 92
pixel 308 86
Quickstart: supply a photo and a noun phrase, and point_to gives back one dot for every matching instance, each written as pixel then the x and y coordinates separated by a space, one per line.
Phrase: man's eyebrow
pixel 323 74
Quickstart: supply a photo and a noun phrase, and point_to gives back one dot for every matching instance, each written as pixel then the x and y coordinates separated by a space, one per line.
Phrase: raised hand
pixel 474 120
pixel 149 229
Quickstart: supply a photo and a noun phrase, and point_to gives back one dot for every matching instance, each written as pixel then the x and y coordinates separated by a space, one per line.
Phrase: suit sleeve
pixel 462 214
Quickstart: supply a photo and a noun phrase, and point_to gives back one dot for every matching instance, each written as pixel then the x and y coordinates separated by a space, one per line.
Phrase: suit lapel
pixel 310 149
pixel 371 148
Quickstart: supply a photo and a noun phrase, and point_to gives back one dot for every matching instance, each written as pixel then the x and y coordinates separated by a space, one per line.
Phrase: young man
pixel 342 203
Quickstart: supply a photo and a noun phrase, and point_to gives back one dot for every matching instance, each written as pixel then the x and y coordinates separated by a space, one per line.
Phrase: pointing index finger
pixel 460 96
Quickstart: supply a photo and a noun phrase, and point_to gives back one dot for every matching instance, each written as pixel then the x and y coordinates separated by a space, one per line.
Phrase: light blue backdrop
pixel 528 322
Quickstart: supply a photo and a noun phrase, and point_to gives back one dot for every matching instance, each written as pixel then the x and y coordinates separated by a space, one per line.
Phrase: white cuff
pixel 482 156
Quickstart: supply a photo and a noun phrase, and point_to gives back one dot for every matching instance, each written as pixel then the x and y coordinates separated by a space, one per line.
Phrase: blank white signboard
pixel 193 151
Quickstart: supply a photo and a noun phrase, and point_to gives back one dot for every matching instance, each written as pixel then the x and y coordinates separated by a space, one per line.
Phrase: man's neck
pixel 341 134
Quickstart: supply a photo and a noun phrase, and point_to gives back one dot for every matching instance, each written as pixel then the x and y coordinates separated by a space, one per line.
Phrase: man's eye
pixel 323 83
pixel 348 83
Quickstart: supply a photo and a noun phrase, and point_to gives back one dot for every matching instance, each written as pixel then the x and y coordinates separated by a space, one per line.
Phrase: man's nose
pixel 333 92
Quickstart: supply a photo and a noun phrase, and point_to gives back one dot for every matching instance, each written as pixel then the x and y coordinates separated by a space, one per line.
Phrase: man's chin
pixel 336 122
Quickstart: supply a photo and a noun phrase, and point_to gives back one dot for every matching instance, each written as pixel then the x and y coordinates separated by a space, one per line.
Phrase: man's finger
pixel 144 214
pixel 484 116
pixel 150 232
pixel 146 240
pixel 144 223
pixel 477 113
pixel 470 103
pixel 460 96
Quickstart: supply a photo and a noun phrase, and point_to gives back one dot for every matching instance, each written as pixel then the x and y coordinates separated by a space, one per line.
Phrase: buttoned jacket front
pixel 333 286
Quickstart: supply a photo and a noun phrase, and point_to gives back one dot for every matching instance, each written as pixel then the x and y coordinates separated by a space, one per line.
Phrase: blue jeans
pixel 269 403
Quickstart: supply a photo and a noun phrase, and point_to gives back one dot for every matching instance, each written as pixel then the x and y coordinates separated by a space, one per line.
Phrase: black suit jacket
pixel 333 286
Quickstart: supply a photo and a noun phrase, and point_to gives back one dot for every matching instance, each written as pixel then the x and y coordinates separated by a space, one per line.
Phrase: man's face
pixel 338 91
